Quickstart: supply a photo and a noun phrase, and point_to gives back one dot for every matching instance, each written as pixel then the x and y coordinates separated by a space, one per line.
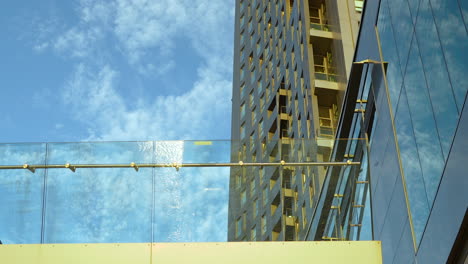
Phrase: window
pixel 311 193
pixel 251 99
pixel 242 131
pixel 304 218
pixel 242 112
pixel 265 196
pixel 238 180
pixel 254 117
pixel 239 227
pixel 253 234
pixel 260 175
pixel 257 207
pixel 243 198
pixel 264 224
pixel 252 187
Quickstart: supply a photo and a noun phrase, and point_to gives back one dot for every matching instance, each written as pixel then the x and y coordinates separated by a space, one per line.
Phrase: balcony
pixel 323 69
pixel 318 19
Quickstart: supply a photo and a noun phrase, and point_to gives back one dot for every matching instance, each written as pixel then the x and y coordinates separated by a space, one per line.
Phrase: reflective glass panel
pixel 389 52
pixel 412 168
pixel 424 126
pixel 402 26
pixel 454 39
pixel 438 82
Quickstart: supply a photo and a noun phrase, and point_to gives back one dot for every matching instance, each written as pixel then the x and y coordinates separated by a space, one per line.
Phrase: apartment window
pixel 252 141
pixel 262 101
pixel 264 224
pixel 257 207
pixel 296 225
pixel 242 54
pixel 252 75
pixel 238 180
pixel 254 209
pixel 304 218
pixel 242 112
pixel 239 227
pixel 303 177
pixel 243 198
pixel 311 193
pixel 260 128
pixel 254 117
pixel 259 86
pixel 251 99
pixel 252 187
pixel 260 175
pixel 265 196
pixel 253 234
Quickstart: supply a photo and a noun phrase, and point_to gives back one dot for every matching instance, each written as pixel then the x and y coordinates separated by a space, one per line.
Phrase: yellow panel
pixel 234 252
pixel 201 143
pixel 75 253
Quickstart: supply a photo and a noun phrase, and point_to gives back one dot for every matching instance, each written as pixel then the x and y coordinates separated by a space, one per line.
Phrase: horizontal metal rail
pixel 136 166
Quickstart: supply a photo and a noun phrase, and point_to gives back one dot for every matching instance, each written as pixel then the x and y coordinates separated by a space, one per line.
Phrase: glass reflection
pixel 464 10
pixel 389 51
pixel 402 26
pixel 425 132
pixel 440 88
pixel 447 15
pixel 417 196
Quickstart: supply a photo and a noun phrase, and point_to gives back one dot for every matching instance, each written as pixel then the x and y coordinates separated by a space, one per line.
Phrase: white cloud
pixel 139 29
pixel 193 115
pixel 144 33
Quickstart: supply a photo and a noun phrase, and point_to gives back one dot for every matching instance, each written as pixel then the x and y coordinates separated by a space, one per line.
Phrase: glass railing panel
pixel 21 194
pixel 98 206
pixel 191 205
pixel 101 205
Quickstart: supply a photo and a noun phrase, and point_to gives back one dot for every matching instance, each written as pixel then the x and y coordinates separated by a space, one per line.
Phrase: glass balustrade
pixel 148 191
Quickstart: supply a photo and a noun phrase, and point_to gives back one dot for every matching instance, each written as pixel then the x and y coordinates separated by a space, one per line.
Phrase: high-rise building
pixel 292 60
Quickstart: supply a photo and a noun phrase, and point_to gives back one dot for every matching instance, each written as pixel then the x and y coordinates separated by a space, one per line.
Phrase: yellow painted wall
pixel 234 252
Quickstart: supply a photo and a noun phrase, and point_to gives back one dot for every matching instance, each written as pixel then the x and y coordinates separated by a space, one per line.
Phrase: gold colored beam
pixel 175 165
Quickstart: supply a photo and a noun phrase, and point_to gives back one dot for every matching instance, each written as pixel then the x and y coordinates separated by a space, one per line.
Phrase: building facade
pixel 291 63
pixel 407 96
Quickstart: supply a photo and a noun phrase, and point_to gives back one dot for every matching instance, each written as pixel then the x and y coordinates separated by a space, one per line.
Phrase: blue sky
pixel 115 70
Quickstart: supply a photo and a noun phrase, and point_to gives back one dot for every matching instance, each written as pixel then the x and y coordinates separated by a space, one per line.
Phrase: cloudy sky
pixel 115 70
